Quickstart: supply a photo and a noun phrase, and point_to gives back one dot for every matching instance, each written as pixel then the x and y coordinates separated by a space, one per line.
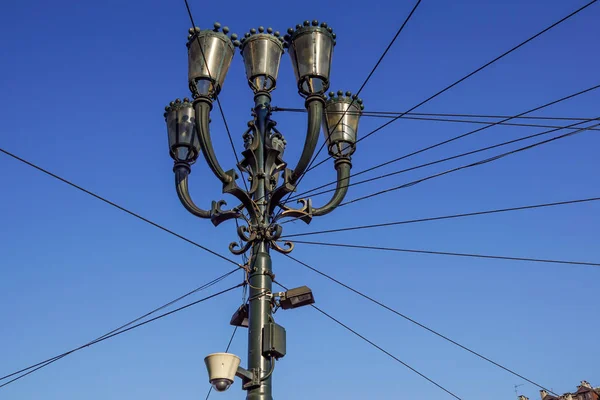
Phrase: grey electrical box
pixel 273 341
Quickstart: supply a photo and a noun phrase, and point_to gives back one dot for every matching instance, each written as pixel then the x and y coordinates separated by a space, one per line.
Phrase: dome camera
pixel 221 384
pixel 222 368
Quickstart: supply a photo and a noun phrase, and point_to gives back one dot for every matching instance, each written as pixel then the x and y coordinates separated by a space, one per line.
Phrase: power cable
pixel 113 334
pixel 337 321
pixel 413 221
pixel 437 175
pixel 471 121
pixel 390 114
pixel 479 122
pixel 475 164
pixel 387 175
pixel 469 75
pixel 138 216
pixel 387 49
pixel 189 11
pixel 416 323
pixel 491 124
pixel 198 289
pixel 445 253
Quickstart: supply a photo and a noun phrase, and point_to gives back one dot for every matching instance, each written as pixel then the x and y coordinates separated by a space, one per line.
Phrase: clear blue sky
pixel 83 90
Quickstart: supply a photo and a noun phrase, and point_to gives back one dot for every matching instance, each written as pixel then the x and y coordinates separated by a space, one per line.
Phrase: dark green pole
pixel 260 277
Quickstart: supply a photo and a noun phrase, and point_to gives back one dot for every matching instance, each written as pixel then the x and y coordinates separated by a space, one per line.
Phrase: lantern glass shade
pixel 311 50
pixel 262 56
pixel 209 57
pixel 184 145
pixel 340 126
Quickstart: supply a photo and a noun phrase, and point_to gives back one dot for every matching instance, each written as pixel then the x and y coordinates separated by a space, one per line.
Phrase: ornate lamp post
pixel 210 53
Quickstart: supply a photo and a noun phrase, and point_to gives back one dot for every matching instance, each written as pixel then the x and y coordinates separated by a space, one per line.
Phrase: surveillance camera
pixel 221 369
pixel 221 384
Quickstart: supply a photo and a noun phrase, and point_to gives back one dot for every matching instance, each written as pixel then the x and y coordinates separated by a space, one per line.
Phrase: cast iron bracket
pixel 250 379
pixel 251 234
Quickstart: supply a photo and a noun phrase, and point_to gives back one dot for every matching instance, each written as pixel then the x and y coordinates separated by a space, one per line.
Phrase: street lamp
pixel 260 209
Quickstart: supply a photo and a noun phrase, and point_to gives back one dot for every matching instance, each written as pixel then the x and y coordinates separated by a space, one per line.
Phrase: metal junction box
pixel 273 341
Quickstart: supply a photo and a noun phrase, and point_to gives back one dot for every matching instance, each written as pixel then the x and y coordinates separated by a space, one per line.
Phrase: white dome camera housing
pixel 222 368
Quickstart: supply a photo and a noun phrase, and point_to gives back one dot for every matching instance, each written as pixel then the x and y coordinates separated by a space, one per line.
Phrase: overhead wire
pixel 170 303
pixel 381 349
pixel 111 335
pixel 189 11
pixel 472 121
pixel 337 321
pixel 461 136
pixel 165 229
pixel 475 164
pixel 417 114
pixel 446 253
pixel 371 299
pixel 445 217
pixel 439 174
pixel 387 49
pixel 479 122
pixel 113 204
pixel 467 77
pixel 352 228
pixel 460 155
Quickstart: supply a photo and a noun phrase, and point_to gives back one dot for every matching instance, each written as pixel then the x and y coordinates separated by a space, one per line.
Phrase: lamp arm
pixel 342 166
pixel 202 107
pixel 181 184
pixel 314 106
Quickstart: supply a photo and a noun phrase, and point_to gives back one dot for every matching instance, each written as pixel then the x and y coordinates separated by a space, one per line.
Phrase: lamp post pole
pixel 260 274
pixel 262 205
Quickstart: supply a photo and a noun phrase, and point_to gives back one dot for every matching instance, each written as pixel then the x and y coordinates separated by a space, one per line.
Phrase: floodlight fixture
pixel 240 317
pixel 298 297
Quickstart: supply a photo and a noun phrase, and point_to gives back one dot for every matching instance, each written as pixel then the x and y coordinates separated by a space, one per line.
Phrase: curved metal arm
pixel 342 167
pixel 314 106
pixel 181 183
pixel 202 107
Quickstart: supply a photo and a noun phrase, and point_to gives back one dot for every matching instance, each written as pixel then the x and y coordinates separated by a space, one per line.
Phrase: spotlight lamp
pixel 294 298
pixel 240 317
